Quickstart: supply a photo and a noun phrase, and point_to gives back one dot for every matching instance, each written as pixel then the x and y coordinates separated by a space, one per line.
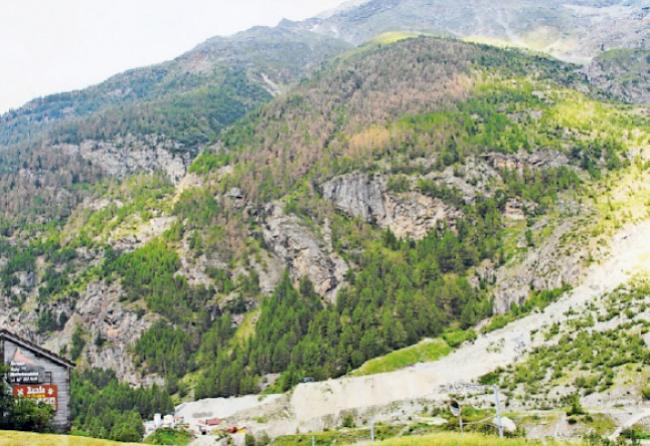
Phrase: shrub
pixel 456 337
pixel 168 436
pixel 20 413
pixel 78 343
pixel 575 407
pixel 646 393
pixel 399 183
pixel 263 439
pixel 28 415
pixel 490 378
pixel 348 421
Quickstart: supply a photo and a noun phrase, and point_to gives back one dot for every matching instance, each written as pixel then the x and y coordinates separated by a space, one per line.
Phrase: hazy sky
pixel 49 46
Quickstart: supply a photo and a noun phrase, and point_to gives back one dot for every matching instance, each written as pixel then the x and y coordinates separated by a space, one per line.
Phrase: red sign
pixel 45 393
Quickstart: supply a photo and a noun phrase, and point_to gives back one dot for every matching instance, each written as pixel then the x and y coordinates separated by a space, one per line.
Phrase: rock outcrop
pixel 413 215
pixel 475 177
pixel 129 154
pixel 546 267
pixel 111 330
pixel 407 214
pixel 305 254
pixel 358 194
pixel 523 160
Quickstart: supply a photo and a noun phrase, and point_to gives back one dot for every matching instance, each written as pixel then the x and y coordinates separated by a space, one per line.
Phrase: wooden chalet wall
pixel 56 373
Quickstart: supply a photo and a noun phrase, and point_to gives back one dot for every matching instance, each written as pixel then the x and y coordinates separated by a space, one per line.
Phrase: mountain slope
pixel 324 182
pixel 624 74
pixel 148 119
pixel 574 30
pixel 279 55
pixel 488 353
pixel 557 345
pixel 411 188
pixel 344 110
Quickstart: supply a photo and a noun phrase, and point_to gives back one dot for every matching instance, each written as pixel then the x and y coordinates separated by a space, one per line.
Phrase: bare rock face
pixel 19 322
pixel 305 254
pixel 543 268
pixel 129 154
pixel 524 160
pixel 475 177
pixel 269 269
pixel 407 215
pixel 101 314
pixel 413 215
pixel 358 194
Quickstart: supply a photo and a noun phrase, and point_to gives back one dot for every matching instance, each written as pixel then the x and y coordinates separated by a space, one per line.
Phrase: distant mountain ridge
pixel 574 30
pixel 271 58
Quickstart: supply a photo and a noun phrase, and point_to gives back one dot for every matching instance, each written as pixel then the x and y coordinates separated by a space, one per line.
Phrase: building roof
pixel 5 334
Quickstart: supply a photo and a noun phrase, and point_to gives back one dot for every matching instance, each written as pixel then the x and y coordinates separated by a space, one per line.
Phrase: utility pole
pixel 498 406
pixel 372 430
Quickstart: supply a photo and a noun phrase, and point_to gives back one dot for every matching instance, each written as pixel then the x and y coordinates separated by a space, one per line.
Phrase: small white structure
pixel 168 421
pixel 159 421
pixel 508 425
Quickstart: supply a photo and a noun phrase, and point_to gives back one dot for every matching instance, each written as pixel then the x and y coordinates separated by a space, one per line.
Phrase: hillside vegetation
pixel 574 30
pixel 424 351
pixel 349 116
pixel 624 74
pixel 375 112
pixel 54 149
pixel 378 203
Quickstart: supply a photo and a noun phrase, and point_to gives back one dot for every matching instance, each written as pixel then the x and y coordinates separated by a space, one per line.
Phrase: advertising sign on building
pixel 24 371
pixel 47 393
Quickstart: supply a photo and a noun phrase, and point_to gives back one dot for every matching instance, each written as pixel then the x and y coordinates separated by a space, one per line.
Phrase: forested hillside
pixel 54 149
pixel 279 207
pixel 281 55
pixel 376 204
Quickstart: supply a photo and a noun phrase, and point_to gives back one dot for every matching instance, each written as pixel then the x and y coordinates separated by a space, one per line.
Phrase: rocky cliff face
pixel 305 254
pixel 407 214
pixel 358 194
pixel 547 267
pixel 127 155
pixel 110 329
pixel 412 215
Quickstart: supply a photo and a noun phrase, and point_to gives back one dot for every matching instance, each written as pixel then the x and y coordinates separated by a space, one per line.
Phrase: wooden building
pixel 38 374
